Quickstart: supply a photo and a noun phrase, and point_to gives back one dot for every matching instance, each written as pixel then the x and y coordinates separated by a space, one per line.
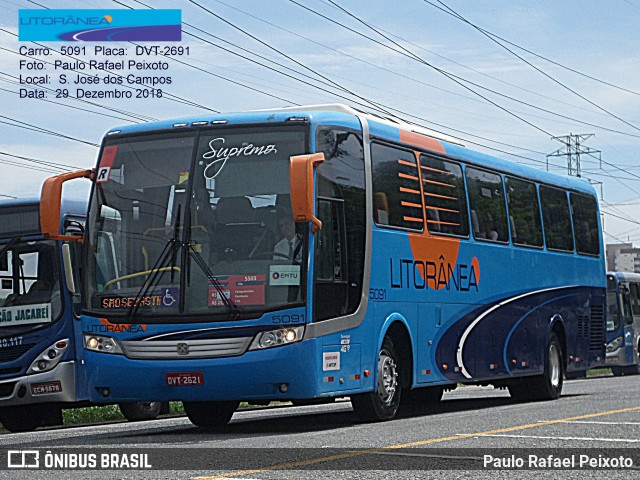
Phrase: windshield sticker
pixel 284 275
pixel 184 176
pixel 239 289
pixel 221 154
pixel 168 298
pixel 106 162
pixel 23 315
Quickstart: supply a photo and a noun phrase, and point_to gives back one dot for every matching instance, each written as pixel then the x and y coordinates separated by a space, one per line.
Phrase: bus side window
pixel 556 218
pixel 626 303
pixel 486 198
pixel 331 284
pixel 635 298
pixel 584 210
pixel 524 212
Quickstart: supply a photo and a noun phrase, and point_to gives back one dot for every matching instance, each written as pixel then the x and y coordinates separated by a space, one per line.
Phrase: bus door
pixel 634 330
pixel 627 322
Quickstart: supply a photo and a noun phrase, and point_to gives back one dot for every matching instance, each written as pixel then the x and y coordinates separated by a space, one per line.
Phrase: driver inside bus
pixel 290 246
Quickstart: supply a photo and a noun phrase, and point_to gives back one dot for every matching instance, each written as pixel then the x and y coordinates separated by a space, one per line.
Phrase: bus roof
pixel 21 216
pixel 388 127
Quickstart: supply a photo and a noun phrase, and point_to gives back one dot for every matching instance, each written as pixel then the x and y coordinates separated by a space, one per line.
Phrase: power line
pixel 543 57
pixel 30 126
pixel 60 166
pixel 537 69
pixel 457 79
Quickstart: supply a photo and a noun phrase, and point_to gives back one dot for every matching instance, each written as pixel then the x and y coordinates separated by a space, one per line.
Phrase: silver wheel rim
pixel 554 365
pixel 387 377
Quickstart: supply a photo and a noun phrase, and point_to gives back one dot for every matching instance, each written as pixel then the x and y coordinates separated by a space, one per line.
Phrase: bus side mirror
pixel 50 201
pixel 302 190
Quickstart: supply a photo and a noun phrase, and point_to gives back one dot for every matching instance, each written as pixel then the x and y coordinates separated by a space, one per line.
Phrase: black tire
pixel 210 415
pixel 547 386
pixel 617 371
pixel 382 403
pixel 139 411
pixel 22 419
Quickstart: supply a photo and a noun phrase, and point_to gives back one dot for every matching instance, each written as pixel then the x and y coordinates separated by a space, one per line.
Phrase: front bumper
pixel 55 386
pixel 254 375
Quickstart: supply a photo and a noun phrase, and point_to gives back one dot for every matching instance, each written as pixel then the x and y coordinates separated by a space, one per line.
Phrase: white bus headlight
pixel 50 357
pixel 276 338
pixel 100 343
pixel 615 345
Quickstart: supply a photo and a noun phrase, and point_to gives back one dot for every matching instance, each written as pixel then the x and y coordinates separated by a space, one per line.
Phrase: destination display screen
pixel 20 220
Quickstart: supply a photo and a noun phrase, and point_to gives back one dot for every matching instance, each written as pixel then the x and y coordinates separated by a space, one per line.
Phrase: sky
pixel 541 69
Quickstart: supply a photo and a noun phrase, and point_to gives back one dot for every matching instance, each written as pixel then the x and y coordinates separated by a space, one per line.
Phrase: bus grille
pixel 8 354
pixel 596 338
pixel 6 389
pixel 185 349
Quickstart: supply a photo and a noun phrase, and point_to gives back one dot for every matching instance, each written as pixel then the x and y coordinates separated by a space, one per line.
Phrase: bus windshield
pixel 196 222
pixel 30 292
pixel 613 315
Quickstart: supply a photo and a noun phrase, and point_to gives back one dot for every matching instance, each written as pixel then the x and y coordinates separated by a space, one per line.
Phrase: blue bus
pixel 623 323
pixel 318 252
pixel 41 347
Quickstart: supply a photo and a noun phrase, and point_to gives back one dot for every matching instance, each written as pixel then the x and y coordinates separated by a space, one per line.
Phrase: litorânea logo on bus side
pixel 71 25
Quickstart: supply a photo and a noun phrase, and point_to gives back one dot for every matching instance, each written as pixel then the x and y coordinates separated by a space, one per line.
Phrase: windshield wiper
pixel 11 243
pixel 170 250
pixel 228 303
pixel 231 307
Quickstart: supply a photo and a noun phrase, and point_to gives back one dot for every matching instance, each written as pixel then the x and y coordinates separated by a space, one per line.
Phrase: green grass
pixel 106 413
pixel 596 372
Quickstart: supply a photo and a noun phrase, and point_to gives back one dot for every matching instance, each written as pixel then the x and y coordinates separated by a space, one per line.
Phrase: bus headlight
pixel 102 344
pixel 49 358
pixel 615 345
pixel 276 338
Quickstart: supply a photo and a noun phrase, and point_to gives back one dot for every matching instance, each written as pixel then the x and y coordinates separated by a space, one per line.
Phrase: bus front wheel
pixel 383 402
pixel 22 419
pixel 547 386
pixel 210 415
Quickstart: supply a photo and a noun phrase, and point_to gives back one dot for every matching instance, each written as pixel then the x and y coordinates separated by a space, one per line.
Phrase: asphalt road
pixel 597 417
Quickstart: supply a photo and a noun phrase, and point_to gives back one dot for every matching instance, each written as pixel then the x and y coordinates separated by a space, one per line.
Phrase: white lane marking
pixel 466 333
pixel 605 423
pixel 573 439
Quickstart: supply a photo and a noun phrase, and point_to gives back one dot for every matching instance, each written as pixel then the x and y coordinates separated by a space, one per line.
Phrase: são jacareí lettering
pixel 13 314
pixel 423 274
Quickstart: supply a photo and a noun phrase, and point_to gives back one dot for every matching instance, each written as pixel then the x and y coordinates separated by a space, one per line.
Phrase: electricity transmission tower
pixel 573 148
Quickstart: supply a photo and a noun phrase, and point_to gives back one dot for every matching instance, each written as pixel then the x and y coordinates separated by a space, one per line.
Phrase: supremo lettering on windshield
pixel 420 274
pixel 221 154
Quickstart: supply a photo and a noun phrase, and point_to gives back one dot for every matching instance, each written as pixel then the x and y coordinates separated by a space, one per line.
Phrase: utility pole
pixel 572 149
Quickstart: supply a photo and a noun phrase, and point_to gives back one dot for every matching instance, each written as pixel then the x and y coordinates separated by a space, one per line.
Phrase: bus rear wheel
pixel 383 402
pixel 139 411
pixel 547 386
pixel 210 415
pixel 22 419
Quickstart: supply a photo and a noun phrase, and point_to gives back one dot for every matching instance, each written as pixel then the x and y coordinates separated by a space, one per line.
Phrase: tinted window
pixel 585 223
pixel 555 214
pixel 635 298
pixel 342 209
pixel 397 198
pixel 488 211
pixel 524 213
pixel 444 196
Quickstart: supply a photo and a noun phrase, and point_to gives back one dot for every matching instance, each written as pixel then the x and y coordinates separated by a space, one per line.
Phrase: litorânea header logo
pixel 78 25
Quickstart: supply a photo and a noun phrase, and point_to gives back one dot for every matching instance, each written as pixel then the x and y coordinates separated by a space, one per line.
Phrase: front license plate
pixel 45 388
pixel 185 379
